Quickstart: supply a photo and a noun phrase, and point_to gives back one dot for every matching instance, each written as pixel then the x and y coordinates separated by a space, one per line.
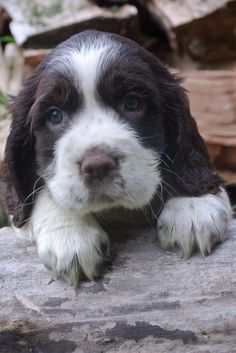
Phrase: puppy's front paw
pixel 194 222
pixel 74 251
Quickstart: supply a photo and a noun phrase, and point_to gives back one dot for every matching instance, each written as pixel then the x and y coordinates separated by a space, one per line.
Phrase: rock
pixel 150 300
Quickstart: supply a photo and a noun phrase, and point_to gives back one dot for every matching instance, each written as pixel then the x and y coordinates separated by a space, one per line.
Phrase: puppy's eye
pixel 132 103
pixel 55 116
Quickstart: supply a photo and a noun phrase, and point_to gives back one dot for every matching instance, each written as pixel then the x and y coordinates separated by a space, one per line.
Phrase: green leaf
pixel 3 99
pixel 7 39
pixel 115 8
pixel 3 218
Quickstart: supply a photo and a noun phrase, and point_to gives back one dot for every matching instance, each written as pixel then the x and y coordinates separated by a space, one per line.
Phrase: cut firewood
pixel 196 26
pixel 213 104
pixel 32 57
pixel 43 24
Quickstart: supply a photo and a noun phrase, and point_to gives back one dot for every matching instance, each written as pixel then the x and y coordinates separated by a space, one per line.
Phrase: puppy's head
pixel 101 123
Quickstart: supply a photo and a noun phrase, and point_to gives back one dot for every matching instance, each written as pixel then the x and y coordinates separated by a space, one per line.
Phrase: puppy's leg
pixel 70 245
pixel 195 222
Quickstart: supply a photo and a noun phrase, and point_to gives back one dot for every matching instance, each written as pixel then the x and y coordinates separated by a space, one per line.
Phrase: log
pixel 196 26
pixel 149 300
pixel 213 102
pixel 213 105
pixel 32 58
pixel 41 25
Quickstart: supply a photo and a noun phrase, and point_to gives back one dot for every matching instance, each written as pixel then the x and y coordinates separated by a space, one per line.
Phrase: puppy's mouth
pixel 107 190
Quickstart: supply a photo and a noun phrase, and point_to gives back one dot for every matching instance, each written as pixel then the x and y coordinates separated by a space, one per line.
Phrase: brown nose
pixel 97 166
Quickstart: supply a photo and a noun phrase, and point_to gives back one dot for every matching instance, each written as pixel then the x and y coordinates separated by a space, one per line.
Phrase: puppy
pixel 102 126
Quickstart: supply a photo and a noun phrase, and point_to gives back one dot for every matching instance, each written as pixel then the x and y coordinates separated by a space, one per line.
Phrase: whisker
pixel 154 214
pixel 48 159
pixel 27 219
pixel 170 171
pixel 171 187
pixel 47 149
pixel 33 201
pixel 34 190
pixel 161 160
pixel 160 196
pixel 168 157
pixel 141 209
pixel 168 191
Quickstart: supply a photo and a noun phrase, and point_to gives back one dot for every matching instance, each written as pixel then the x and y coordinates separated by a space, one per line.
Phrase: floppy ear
pixel 189 165
pixel 19 170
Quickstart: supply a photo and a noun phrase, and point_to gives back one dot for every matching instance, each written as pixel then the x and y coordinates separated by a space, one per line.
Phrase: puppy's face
pixel 95 120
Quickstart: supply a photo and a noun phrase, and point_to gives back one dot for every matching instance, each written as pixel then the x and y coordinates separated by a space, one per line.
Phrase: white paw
pixel 73 253
pixel 71 246
pixel 194 222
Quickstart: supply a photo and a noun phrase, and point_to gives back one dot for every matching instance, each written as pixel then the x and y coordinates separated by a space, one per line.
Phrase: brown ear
pixel 189 165
pixel 19 170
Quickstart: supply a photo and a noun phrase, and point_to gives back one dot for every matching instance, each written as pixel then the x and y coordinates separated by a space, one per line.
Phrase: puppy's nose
pixel 97 166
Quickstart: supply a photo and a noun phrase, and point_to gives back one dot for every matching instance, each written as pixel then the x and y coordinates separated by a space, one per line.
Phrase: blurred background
pixel 196 38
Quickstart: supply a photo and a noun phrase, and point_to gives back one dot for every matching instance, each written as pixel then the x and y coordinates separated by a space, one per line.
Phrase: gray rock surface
pixel 148 300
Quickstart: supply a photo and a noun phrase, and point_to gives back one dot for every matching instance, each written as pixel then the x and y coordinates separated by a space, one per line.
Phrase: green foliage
pixel 115 8
pixel 3 219
pixel 3 105
pixel 7 39
pixel 3 100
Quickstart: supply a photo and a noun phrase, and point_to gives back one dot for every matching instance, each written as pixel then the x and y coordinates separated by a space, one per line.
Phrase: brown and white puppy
pixel 102 125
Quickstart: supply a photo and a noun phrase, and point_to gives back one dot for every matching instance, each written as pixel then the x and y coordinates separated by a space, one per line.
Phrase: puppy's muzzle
pixel 96 166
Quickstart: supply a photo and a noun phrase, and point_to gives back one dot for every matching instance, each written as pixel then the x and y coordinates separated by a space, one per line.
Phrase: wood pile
pixel 203 28
pixel 197 38
pixel 40 23
pixel 213 103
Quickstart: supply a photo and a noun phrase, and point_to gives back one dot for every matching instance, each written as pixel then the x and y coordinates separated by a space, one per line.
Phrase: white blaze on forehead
pixel 86 64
